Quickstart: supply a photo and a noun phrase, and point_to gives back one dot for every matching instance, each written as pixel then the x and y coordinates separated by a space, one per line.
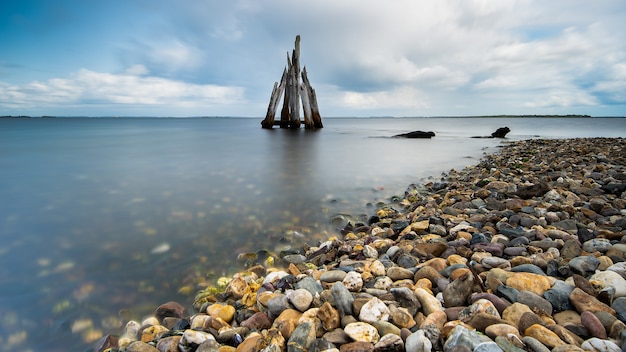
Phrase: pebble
pixel 517 253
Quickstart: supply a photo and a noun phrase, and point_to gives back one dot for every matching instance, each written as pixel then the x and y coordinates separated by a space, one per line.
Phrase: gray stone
pixel 406 299
pixel 310 284
pixel 333 276
pixel 597 244
pixel 534 345
pixel 463 336
pixel 302 337
pixel 584 265
pixel 619 305
pixel 528 268
pixel 487 347
pixel 389 343
pixel 343 298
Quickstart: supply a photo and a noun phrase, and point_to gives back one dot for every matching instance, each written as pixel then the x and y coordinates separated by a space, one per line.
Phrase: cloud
pixel 134 87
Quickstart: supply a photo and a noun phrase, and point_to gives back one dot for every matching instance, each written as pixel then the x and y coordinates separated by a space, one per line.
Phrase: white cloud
pixel 132 88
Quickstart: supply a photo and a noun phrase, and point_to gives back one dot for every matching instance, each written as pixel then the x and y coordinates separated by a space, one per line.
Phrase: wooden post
pixel 293 91
pixel 315 111
pixel 277 92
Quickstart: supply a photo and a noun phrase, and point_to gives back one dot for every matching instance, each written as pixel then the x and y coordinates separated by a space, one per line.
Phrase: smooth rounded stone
pixel 537 284
pixel 498 302
pixel 337 337
pixel 535 302
pixel 559 298
pixel 389 343
pixel 613 280
pixel 480 321
pixel 567 348
pixel 487 347
pixel 429 302
pixel 461 335
pixel 507 344
pixel 606 319
pixel 140 346
pixel 584 265
pixel 310 284
pixel 534 345
pixel 407 261
pixel 446 272
pixel 208 346
pixel 377 268
pixel 515 251
pixel 480 306
pixel 406 299
pixel 397 273
pixel 333 276
pixel 508 293
pixel 168 344
pixel 495 262
pixel 360 331
pixel 619 305
pixel 357 346
pixel 458 291
pixel 593 325
pixel 427 272
pixel 528 268
pixel 369 252
pixel 598 345
pixel 343 298
pixel 302 337
pixel 418 342
pixel 353 281
pixel 495 249
pixel 529 319
pixel 194 337
pixel 501 330
pixel 544 335
pixel 278 304
pixel 513 313
pixel 597 245
pixel 566 335
pixel 301 299
pixel 170 309
pixel 382 283
pixel 374 310
pixel 385 328
pixel 585 302
pixel 258 321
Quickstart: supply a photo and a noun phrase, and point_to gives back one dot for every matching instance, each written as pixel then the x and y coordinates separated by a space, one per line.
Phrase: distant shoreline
pixel 469 116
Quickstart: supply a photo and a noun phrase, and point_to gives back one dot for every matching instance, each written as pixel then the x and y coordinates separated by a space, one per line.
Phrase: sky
pixel 363 57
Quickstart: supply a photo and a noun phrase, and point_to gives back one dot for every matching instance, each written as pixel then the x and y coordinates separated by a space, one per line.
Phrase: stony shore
pixel 524 251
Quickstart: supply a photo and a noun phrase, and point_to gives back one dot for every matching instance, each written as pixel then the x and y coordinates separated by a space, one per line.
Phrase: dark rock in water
pixel 170 309
pixel 501 132
pixel 417 134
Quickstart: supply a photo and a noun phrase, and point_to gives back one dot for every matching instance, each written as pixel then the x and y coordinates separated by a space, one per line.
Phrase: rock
pixel 463 336
pixel 333 276
pixel 584 265
pixel 416 134
pixel 310 284
pixel 611 279
pixel 537 284
pixel 534 344
pixel 389 343
pixel 385 328
pixel 354 282
pixel 192 338
pixel 258 321
pixel 596 344
pixel 360 331
pixel 139 346
pixel 170 309
pixel 397 273
pixel 329 317
pixel 374 310
pixel 544 335
pixel 597 244
pixel 357 346
pixel 302 337
pixel 343 298
pixel 458 291
pixel 418 342
pixel 501 132
pixel 501 330
pixel 593 325
pixel 169 344
pixel 301 299
pixel 535 302
pixel 585 302
pixel 428 302
pixel 487 347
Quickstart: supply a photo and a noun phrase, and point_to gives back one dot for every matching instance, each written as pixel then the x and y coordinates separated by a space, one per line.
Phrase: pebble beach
pixel 524 251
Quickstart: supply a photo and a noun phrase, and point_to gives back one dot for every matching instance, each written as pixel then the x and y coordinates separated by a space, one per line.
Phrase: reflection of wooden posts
pixel 293 91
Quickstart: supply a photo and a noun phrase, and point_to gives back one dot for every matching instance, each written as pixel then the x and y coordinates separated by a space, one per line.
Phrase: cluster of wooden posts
pixel 294 91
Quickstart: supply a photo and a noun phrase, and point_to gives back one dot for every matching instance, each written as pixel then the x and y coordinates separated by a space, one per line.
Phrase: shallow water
pixel 99 216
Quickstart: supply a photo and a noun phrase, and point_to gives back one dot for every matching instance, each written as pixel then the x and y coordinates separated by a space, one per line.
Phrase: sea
pixel 104 219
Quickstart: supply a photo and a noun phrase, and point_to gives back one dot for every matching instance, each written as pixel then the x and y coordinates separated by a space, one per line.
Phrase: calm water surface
pixel 101 216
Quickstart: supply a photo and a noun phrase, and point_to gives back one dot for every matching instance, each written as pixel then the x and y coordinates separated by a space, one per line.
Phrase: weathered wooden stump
pixel 293 91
